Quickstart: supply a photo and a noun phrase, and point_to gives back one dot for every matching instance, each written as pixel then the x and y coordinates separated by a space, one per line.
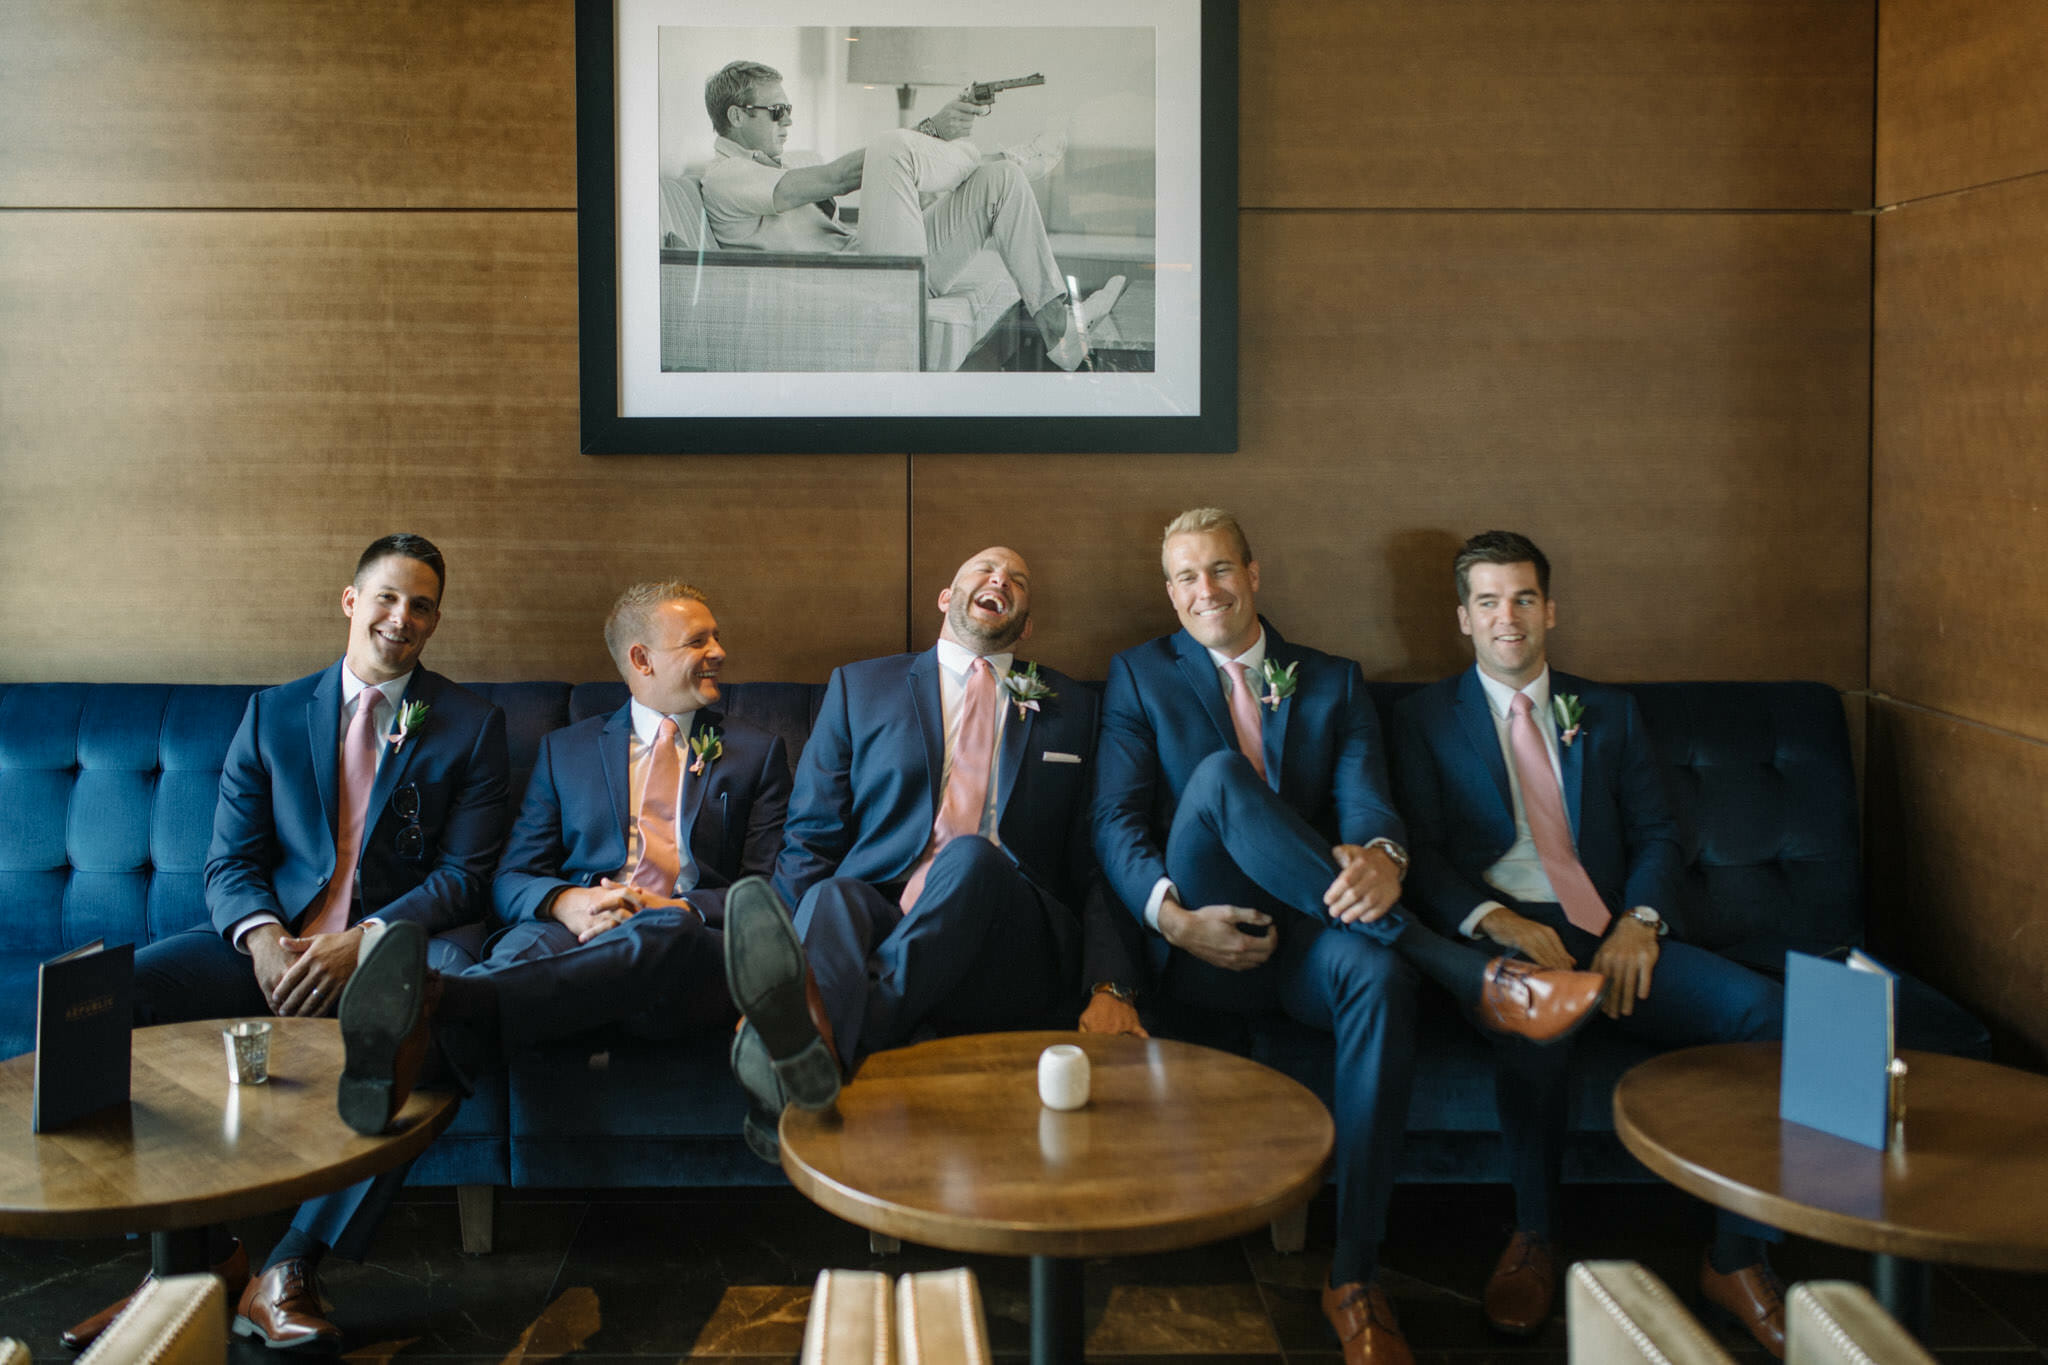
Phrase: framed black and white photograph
pixel 945 227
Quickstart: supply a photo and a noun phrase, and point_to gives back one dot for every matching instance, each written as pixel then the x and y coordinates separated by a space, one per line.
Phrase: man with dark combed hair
pixel 368 795
pixel 1540 825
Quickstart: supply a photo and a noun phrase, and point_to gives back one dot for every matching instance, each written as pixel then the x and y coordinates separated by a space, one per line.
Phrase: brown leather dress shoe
pixel 1754 1296
pixel 1523 1287
pixel 386 1013
pixel 282 1307
pixel 1364 1321
pixel 233 1269
pixel 1536 1003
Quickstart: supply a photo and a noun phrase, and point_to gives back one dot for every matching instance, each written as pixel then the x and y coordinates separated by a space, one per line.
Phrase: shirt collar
pixel 647 720
pixel 1501 697
pixel 352 686
pixel 725 146
pixel 956 659
pixel 1251 658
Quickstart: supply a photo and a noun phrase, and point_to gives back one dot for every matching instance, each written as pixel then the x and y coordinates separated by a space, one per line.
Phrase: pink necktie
pixel 1244 718
pixel 966 792
pixel 352 808
pixel 1544 807
pixel 658 867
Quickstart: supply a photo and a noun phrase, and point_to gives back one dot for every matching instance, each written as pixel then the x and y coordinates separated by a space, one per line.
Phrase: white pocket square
pixel 1055 756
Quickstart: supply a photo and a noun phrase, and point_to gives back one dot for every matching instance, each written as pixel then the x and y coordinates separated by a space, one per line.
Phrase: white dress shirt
pixel 1519 871
pixel 954 663
pixel 1252 659
pixel 639 758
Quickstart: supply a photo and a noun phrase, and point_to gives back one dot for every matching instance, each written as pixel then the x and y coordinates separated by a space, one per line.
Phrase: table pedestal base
pixel 1056 1325
pixel 1904 1288
pixel 182 1252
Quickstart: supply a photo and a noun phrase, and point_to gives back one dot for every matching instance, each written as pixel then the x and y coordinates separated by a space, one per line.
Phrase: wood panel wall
pixel 279 275
pixel 1959 720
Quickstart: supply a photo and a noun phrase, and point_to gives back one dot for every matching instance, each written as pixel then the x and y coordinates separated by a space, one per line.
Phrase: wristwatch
pixel 1643 914
pixel 1398 854
pixel 1111 988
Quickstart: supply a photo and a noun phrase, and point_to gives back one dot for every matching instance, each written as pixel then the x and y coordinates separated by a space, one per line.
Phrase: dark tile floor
pixel 622 1276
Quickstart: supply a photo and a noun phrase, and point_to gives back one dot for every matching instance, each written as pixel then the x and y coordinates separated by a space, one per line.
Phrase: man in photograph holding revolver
pixel 756 199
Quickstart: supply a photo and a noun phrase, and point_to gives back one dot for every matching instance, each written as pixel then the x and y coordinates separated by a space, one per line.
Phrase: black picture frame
pixel 605 429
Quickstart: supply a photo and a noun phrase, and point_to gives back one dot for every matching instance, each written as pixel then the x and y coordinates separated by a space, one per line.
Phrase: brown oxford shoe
pixel 1523 1287
pixel 282 1308
pixel 1364 1321
pixel 1535 1003
pixel 1754 1296
pixel 386 1013
pixel 233 1270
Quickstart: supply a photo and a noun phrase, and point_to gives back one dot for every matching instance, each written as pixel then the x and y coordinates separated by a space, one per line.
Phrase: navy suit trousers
pixel 1235 842
pixel 1696 996
pixel 976 954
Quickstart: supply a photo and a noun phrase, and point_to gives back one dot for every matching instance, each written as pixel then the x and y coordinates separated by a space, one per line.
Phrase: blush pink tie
pixel 1543 804
pixel 966 794
pixel 1244 717
pixel 658 867
pixel 352 808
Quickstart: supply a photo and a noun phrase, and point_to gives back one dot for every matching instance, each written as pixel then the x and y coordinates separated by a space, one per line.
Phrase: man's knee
pixel 972 856
pixel 1218 776
pixel 834 901
pixel 1362 973
pixel 897 145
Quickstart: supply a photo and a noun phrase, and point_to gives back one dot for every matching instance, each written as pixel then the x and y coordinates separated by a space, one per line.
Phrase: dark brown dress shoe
pixel 282 1307
pixel 233 1270
pixel 1754 1296
pixel 386 1014
pixel 1364 1321
pixel 1523 1287
pixel 1536 1003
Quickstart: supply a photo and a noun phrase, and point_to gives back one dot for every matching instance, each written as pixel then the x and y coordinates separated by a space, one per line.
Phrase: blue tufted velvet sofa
pixel 106 807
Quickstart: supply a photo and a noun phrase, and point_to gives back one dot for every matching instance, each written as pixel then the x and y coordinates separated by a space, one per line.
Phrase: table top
pixel 1969 1186
pixel 946 1144
pixel 191 1148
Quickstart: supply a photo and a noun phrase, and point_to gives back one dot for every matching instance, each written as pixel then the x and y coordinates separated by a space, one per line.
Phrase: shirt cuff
pixel 244 926
pixel 1160 891
pixel 1469 926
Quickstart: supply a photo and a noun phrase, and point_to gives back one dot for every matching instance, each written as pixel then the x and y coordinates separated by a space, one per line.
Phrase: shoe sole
pixel 764 969
pixel 380 1007
pixel 244 1328
pixel 755 1071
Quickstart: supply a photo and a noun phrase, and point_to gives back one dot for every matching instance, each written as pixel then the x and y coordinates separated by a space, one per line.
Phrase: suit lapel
pixel 1200 672
pixel 1475 718
pixel 1016 743
pixel 694 784
pixel 614 751
pixel 1273 724
pixel 931 720
pixel 323 738
pixel 423 687
pixel 1571 758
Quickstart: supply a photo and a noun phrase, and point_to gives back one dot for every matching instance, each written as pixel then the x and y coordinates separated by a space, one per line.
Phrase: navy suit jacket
pixel 867 788
pixel 1453 784
pixel 571 829
pixel 273 828
pixel 1165 712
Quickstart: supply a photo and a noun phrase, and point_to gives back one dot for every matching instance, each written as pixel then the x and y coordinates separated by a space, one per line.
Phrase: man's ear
pixel 1024 634
pixel 1251 573
pixel 945 600
pixel 1464 620
pixel 348 601
pixel 637 658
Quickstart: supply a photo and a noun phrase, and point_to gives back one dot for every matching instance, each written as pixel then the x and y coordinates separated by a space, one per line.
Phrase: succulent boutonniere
pixel 1027 689
pixel 709 746
pixel 1569 713
pixel 411 716
pixel 1279 682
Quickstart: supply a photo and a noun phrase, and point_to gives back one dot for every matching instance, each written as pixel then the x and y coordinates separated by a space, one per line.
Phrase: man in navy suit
pixel 1540 824
pixel 292 902
pixel 936 851
pixel 1241 815
pixel 566 883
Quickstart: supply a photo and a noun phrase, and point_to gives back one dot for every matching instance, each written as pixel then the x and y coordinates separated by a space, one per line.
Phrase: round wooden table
pixel 191 1149
pixel 1970 1184
pixel 946 1144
